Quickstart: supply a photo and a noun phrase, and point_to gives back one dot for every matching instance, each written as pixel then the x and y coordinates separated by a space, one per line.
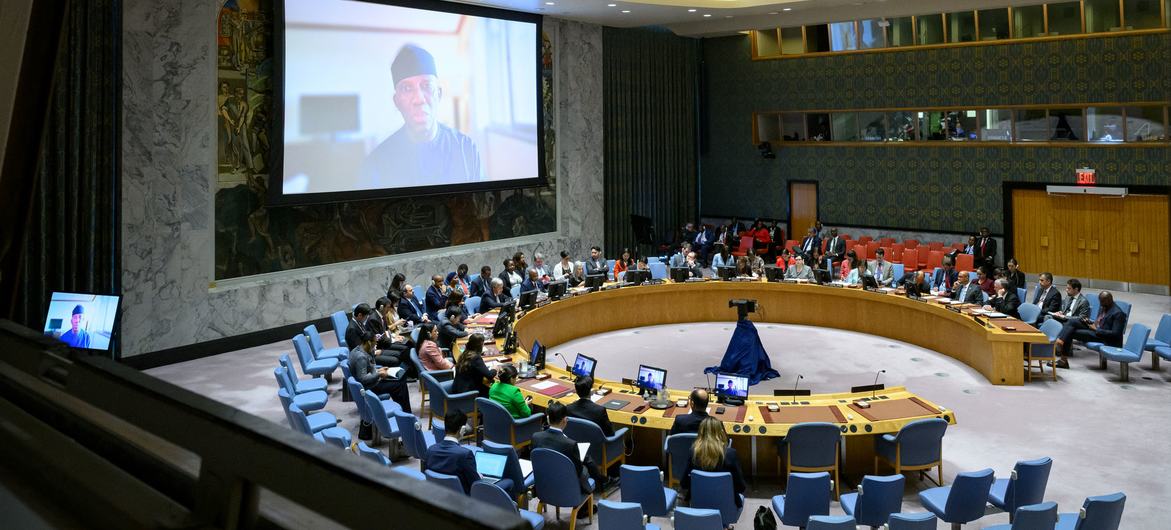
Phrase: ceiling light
pixel 773 13
pixel 611 5
pixel 550 3
pixel 690 10
pixel 727 16
pixel 625 10
pixel 787 9
pixel 706 15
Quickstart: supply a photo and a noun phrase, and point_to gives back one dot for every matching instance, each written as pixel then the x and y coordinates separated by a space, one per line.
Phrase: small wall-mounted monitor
pixel 651 378
pixel 82 320
pixel 584 366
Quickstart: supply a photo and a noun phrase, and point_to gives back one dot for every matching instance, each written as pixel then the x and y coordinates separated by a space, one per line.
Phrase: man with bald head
pixel 965 290
pixel 423 152
pixel 685 423
pixel 1107 329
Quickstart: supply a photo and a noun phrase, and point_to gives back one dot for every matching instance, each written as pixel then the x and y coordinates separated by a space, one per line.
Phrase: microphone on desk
pixel 795 383
pixel 874 386
pixel 563 360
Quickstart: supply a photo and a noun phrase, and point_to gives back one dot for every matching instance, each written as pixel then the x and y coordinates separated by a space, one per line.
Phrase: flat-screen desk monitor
pixel 651 378
pixel 637 276
pixel 528 299
pixel 584 366
pixel 822 276
pixel 732 387
pixel 82 320
pixel 869 283
pixel 726 273
pixel 595 281
pixel 774 274
pixel 680 274
pixel 557 289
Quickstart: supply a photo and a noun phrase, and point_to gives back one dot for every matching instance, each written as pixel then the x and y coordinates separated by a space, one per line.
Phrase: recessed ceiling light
pixel 774 13
pixel 706 15
pixel 550 3
pixel 787 9
pixel 611 5
pixel 625 10
pixel 727 16
pixel 690 10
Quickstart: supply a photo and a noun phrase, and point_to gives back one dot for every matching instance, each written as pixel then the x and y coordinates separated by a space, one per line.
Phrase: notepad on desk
pixel 994 314
pixel 544 385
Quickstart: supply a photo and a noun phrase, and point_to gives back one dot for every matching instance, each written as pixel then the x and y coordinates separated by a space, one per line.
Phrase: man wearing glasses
pixel 423 152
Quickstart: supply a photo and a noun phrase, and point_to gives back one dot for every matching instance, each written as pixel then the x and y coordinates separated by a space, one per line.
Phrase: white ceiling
pixel 731 16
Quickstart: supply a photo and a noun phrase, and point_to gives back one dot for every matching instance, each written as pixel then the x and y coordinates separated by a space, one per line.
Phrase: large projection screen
pixel 403 98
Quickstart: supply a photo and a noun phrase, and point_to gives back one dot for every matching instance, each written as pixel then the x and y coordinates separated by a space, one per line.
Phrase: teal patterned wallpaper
pixel 931 188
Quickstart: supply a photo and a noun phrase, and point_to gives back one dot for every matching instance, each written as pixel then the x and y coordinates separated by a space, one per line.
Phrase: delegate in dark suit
pixel 530 285
pixel 968 293
pixel 435 301
pixel 810 247
pixel 410 310
pixel 357 333
pixel 689 422
pixel 1110 326
pixel 835 249
pixel 451 458
pixel 944 280
pixel 1075 307
pixel 480 286
pixel 1006 304
pixel 473 378
pixel 492 301
pixel 586 409
pixel 449 333
pixel 985 250
pixel 1049 300
pixel 555 439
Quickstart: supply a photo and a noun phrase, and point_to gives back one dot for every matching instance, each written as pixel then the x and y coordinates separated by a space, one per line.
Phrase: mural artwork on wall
pixel 252 239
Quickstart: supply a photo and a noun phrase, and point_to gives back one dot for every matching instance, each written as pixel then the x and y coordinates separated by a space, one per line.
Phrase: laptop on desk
pixel 491 466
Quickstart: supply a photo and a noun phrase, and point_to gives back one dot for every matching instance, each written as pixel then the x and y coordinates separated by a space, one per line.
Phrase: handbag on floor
pixel 764 519
pixel 365 431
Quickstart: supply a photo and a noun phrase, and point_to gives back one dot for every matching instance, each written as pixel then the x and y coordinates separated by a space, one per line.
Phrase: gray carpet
pixel 1103 436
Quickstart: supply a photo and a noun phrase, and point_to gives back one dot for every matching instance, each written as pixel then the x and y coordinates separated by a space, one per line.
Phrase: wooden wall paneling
pixel 802 208
pixel 1031 222
pixel 1145 228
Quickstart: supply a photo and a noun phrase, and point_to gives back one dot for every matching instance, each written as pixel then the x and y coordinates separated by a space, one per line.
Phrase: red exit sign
pixel 1086 177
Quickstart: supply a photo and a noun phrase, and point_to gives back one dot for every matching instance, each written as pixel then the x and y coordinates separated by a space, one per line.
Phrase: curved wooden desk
pixel 995 353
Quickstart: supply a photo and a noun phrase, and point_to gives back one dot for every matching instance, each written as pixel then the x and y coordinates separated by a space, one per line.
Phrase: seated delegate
pixel 554 438
pixel 450 458
pixel 1006 300
pixel 711 452
pixel 1107 329
pixel 470 370
pixel 505 392
pixel 585 408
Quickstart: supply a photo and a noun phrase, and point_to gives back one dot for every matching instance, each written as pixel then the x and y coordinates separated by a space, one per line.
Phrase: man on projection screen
pixel 423 152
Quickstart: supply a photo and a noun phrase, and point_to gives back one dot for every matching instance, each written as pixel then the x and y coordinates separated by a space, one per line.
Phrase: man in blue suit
pixel 409 309
pixel 451 458
pixel 1108 329
pixel 436 298
pixel 481 285
pixel 944 279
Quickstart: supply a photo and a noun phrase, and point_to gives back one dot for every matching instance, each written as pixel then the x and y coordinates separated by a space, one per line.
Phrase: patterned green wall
pixel 944 188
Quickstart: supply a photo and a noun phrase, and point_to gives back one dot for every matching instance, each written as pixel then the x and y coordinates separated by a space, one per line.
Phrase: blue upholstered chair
pixel 678 450
pixel 604 450
pixel 471 305
pixel 1029 312
pixel 372 454
pixel 876 499
pixel 309 364
pixel 514 291
pixel 302 385
pixel 512 470
pixel 898 270
pixel 450 482
pixel 912 521
pixel 1031 517
pixel 413 473
pixel 1021 293
pixel 416 441
pixel 1097 346
pixel 1162 339
pixel 917 446
pixel 316 428
pixel 814 446
pixel 806 494
pixel 1043 352
pixel 963 501
pixel 308 401
pixel 355 389
pixel 1095 306
pixel 1103 512
pixel 381 411
pixel 614 515
pixel 318 348
pixel 698 519
pixel 644 485
pixel 710 490
pixel 492 494
pixel 1024 487
pixel 557 485
pixel 831 522
pixel 421 295
pixel 610 269
pixel 339 438
pixel 441 399
pixel 1130 352
pixel 340 323
pixel 501 427
pixel 658 270
pixel 317 421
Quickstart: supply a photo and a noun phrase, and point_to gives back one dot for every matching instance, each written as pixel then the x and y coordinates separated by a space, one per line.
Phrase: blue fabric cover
pixel 746 355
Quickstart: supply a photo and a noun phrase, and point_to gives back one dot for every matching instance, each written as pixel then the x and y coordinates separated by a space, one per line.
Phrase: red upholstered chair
pixel 934 259
pixel 923 257
pixel 860 251
pixel 791 244
pixel 886 241
pixel 823 244
pixel 958 246
pixel 910 243
pixel 872 249
pixel 845 236
pixel 746 243
pixel 896 253
pixel 865 239
pixel 965 262
pixel 935 245
pixel 910 260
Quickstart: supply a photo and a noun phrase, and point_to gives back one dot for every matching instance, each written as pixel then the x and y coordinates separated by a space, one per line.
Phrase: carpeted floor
pixel 1103 436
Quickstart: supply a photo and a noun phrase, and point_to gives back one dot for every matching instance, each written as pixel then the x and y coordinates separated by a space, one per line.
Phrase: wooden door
pixel 802 208
pixel 1085 236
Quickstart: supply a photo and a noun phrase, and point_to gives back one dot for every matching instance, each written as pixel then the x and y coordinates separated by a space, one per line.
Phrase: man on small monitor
pixel 76 337
pixel 422 152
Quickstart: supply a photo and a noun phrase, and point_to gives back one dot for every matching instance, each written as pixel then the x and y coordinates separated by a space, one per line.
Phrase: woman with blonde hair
pixel 711 452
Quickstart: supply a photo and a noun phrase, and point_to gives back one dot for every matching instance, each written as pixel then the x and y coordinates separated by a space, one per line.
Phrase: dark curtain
pixel 72 237
pixel 650 87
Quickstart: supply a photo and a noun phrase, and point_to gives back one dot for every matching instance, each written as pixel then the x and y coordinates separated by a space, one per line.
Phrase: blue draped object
pixel 746 355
